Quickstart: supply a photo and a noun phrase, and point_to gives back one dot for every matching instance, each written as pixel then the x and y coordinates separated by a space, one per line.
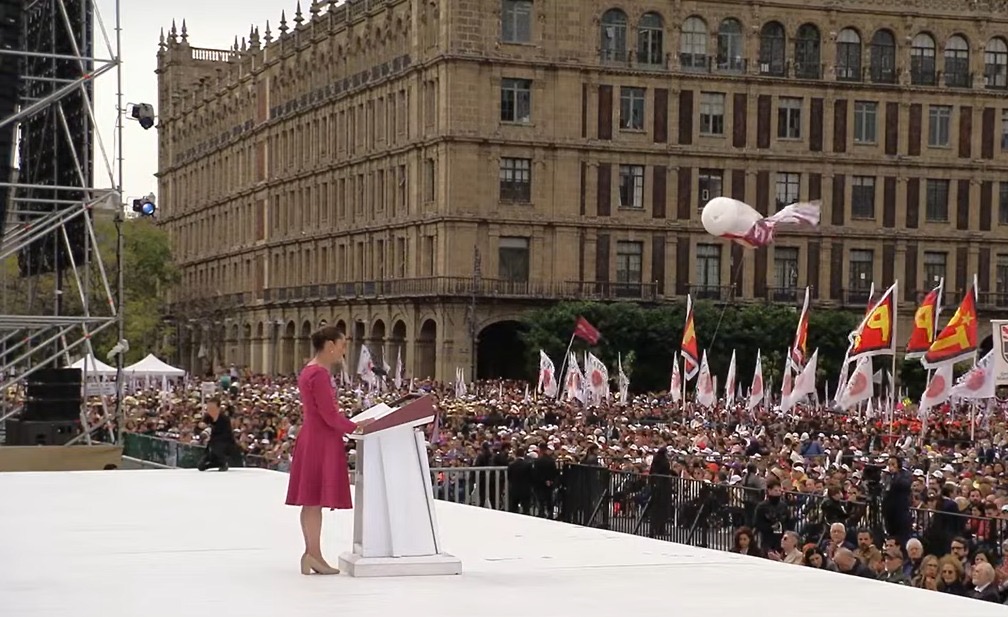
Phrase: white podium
pixel 395 526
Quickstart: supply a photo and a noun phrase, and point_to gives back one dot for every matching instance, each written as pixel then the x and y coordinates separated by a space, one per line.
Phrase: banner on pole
pixel 1000 339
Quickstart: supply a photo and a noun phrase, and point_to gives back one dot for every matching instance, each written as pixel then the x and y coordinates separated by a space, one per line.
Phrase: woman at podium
pixel 319 474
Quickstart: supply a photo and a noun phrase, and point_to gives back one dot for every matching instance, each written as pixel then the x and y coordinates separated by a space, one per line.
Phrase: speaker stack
pixel 51 414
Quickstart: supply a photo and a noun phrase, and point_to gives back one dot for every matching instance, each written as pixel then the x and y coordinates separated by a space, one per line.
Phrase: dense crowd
pixel 798 486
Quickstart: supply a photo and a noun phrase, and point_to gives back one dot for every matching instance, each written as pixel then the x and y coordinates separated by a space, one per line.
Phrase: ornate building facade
pixel 421 173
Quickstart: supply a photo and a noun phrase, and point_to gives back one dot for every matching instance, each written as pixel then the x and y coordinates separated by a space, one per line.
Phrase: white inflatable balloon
pixel 739 222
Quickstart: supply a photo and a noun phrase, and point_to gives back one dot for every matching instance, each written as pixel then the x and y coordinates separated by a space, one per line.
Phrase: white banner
pixel 1000 337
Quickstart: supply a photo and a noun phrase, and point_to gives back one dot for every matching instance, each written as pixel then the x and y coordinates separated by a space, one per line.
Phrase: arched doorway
pixel 341 326
pixel 397 345
pixel 245 353
pixel 232 347
pixel 258 364
pixel 304 343
pixel 500 352
pixel 377 342
pixel 287 360
pixel 358 342
pixel 426 350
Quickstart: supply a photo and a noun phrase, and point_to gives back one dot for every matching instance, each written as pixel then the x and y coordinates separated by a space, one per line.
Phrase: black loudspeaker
pixel 40 433
pixel 53 395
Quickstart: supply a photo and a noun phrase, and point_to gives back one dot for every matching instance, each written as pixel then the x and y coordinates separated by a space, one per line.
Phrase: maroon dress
pixel 319 474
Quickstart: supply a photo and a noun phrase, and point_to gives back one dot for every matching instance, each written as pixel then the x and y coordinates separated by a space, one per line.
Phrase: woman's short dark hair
pixel 324 334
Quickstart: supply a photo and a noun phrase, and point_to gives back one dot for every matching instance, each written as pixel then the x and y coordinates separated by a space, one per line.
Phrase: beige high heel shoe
pixel 311 565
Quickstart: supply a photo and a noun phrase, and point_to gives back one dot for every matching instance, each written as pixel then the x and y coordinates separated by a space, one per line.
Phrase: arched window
pixel 650 40
pixel 772 57
pixel 693 45
pixel 613 43
pixel 730 50
pixel 807 56
pixel 883 57
pixel 848 55
pixel 957 62
pixel 996 64
pixel 922 60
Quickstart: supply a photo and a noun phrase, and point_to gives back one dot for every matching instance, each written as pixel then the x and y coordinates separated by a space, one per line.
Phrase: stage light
pixel 145 206
pixel 144 114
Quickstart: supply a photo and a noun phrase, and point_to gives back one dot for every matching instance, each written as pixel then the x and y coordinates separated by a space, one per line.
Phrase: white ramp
pixel 183 543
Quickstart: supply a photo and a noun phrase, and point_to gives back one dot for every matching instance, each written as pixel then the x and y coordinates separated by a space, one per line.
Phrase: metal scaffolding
pixel 32 337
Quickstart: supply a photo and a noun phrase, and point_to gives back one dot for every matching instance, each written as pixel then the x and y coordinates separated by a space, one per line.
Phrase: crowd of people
pixel 798 487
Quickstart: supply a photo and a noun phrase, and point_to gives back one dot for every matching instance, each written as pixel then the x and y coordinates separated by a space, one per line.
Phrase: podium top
pixel 413 410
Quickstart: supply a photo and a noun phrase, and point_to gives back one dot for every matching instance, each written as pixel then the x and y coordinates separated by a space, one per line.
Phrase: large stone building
pixel 422 172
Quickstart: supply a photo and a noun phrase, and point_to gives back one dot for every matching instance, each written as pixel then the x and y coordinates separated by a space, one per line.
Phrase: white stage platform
pixel 169 543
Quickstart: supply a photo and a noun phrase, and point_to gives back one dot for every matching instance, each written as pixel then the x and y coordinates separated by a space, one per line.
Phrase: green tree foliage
pixel 654 335
pixel 148 273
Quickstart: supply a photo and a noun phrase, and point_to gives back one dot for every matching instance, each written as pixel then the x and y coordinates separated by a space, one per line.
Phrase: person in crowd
pixel 847 563
pixel 789 552
pixel 745 543
pixel 950 576
pixel 983 584
pixel 544 479
pixel 771 516
pixel 892 567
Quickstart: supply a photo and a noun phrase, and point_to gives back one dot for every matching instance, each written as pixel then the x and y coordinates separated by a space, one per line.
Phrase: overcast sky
pixel 210 24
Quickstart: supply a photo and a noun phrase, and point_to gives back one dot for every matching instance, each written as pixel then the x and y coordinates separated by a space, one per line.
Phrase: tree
pixel 148 274
pixel 654 336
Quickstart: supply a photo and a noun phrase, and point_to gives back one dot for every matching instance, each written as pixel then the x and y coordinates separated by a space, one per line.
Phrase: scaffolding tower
pixel 51 200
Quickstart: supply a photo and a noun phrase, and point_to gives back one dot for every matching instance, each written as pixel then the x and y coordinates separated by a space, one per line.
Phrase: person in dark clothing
pixel 544 479
pixel 221 446
pixel 772 517
pixel 660 481
pixel 519 475
pixel 896 501
pixel 847 563
pixel 483 481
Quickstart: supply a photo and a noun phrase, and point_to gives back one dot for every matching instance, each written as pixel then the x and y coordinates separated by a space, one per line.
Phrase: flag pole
pixel 563 364
pixel 892 376
pixel 682 380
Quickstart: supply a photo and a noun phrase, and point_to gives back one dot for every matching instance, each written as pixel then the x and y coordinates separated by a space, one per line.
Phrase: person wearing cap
pixel 893 567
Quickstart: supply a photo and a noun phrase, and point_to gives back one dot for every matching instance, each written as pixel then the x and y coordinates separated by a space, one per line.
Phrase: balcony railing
pixel 446 286
pixel 993 299
pixel 783 294
pixel 718 293
pixel 856 297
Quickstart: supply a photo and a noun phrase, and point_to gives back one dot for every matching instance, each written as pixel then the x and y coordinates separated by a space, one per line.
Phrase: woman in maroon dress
pixel 319 474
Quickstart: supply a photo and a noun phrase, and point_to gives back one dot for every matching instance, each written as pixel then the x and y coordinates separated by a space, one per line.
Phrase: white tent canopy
pixel 151 366
pixel 94 367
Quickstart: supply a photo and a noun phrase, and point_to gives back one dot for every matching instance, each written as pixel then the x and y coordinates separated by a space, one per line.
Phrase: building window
pixel 936 207
pixel 712 107
pixel 789 118
pixel 1004 130
pixel 730 45
pixel 996 64
pixel 430 173
pixel 860 276
pixel 513 259
pixel 957 63
pixel 708 270
pixel 883 58
pixel 516 101
pixel 629 257
pixel 516 180
pixel 772 57
pixel 516 21
pixel 650 40
pixel 863 197
pixel 922 60
pixel 788 187
pixel 632 108
pixel 613 44
pixel 785 273
pixel 1001 279
pixel 1003 203
pixel 693 45
pixel 865 122
pixel 631 186
pixel 711 185
pixel 934 268
pixel 939 123
pixel 848 55
pixel 807 57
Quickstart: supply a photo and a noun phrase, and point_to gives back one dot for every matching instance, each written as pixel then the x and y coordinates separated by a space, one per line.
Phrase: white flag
pixel 675 385
pixel 805 381
pixel 624 381
pixel 978 383
pixel 365 366
pixel 547 375
pixel 729 387
pixel 398 369
pixel 938 389
pixel 859 387
pixel 705 386
pixel 786 387
pixel 756 390
pixel 597 376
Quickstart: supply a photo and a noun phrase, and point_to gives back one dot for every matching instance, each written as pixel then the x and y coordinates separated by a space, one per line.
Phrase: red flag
pixel 586 331
pixel 875 334
pixel 689 349
pixel 925 323
pixel 958 340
